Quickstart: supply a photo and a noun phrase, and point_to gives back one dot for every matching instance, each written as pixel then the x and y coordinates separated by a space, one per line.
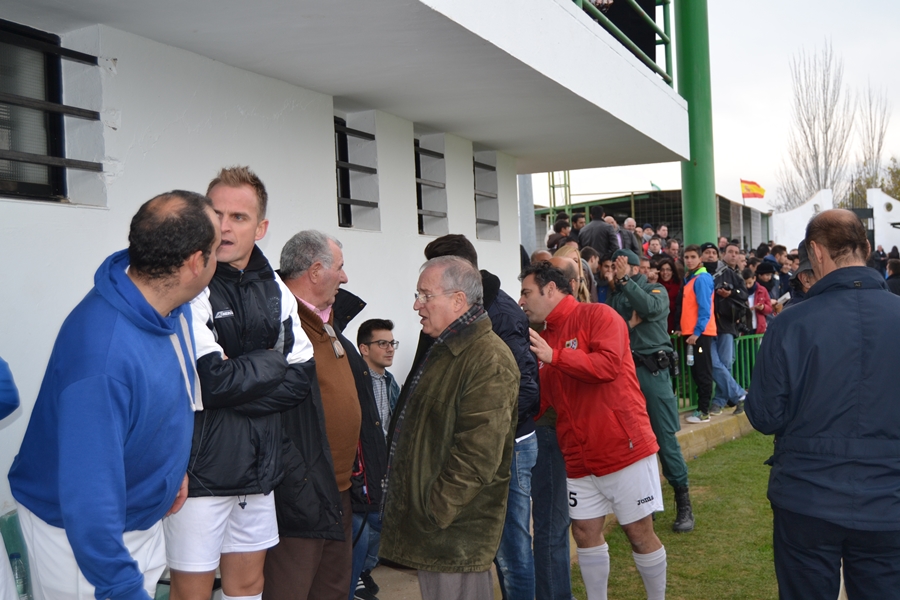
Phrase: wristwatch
pixel 623 280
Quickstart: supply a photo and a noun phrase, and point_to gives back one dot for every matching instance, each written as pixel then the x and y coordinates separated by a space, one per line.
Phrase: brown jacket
pixel 340 400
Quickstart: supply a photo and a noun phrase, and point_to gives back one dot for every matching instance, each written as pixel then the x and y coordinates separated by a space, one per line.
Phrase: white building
pixel 489 88
pixel 884 223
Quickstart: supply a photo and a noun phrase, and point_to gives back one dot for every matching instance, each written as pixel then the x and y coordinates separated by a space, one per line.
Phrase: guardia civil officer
pixel 645 306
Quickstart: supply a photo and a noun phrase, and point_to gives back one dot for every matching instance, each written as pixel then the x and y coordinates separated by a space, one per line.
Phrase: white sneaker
pixel 698 417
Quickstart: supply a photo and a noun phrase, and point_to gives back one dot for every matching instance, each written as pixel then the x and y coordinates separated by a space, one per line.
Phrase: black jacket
pixel 237 442
pixel 600 236
pixel 511 325
pixel 308 503
pixel 893 283
pixel 366 485
pixel 730 311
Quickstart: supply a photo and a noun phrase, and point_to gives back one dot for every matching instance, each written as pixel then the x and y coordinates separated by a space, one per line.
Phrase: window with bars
pixel 431 186
pixel 32 117
pixel 357 176
pixel 487 204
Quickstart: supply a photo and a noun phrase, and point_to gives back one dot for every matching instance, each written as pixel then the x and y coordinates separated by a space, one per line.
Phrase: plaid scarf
pixel 475 313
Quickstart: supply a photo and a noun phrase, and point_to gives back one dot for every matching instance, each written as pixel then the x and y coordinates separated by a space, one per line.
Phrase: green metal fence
pixel 745 349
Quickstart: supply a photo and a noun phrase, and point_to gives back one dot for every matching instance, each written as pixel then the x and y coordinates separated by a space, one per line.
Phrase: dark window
pixel 431 195
pixel 487 205
pixel 32 141
pixel 344 168
pixel 345 218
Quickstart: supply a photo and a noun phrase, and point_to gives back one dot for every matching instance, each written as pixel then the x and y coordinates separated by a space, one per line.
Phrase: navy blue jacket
pixel 825 385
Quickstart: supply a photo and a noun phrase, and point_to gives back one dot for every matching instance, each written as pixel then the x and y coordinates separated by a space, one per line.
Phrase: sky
pixel 751 45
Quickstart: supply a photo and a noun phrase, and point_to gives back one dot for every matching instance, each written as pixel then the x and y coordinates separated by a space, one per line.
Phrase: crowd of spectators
pixel 205 412
pixel 771 273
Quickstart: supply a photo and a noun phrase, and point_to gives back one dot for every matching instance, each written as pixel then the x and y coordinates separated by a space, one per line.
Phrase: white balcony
pixel 535 79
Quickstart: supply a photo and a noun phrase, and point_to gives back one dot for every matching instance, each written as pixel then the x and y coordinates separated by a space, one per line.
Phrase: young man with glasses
pixel 377 345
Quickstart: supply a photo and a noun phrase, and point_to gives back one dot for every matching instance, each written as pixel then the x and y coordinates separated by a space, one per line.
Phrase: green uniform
pixel 651 302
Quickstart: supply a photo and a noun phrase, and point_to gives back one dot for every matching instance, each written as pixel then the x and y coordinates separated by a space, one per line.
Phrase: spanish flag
pixel 751 189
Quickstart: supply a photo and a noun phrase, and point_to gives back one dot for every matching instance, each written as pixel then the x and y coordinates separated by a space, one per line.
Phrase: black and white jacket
pixel 255 363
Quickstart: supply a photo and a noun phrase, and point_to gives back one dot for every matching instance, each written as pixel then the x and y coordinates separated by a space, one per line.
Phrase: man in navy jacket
pixel 825 386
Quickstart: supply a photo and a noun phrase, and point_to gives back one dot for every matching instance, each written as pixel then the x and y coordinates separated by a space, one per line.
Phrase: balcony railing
pixel 663 35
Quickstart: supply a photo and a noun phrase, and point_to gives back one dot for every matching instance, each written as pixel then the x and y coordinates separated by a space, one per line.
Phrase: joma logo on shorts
pixel 645 500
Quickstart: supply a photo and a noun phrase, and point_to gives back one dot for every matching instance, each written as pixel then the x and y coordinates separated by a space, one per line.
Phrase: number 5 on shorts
pixel 573 501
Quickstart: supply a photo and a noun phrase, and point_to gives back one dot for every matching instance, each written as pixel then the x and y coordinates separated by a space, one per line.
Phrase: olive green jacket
pixel 651 302
pixel 449 480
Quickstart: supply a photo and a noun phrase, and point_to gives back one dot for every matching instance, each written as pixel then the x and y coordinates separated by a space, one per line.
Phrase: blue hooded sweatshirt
pixel 108 443
pixel 9 395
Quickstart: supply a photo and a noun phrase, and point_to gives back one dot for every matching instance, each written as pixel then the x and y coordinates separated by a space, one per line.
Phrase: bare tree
pixel 821 126
pixel 874 116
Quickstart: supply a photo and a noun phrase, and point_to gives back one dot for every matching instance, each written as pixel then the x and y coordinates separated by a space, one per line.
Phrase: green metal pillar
pixel 698 181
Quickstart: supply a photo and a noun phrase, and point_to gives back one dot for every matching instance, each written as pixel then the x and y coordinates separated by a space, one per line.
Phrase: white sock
pixel 652 568
pixel 256 597
pixel 594 563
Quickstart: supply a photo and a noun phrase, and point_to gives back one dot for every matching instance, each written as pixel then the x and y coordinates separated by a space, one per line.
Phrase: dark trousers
pixel 808 553
pixel 301 568
pixel 662 407
pixel 550 513
pixel 702 371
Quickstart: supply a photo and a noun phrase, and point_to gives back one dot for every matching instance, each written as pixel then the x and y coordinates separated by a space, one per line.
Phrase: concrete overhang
pixel 536 79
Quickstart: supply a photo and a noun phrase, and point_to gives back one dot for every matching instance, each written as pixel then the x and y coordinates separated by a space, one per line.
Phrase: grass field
pixel 729 553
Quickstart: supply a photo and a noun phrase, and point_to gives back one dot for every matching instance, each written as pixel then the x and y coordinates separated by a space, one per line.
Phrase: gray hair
pixel 458 274
pixel 304 250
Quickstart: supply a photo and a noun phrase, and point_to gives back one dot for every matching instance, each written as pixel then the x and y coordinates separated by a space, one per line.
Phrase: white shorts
pixel 56 576
pixel 205 528
pixel 631 493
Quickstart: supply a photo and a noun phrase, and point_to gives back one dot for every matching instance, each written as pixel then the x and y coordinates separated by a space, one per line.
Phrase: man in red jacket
pixel 587 374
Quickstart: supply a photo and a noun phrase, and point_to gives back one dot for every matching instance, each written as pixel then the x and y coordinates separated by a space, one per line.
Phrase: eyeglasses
pixel 335 343
pixel 426 298
pixel 383 344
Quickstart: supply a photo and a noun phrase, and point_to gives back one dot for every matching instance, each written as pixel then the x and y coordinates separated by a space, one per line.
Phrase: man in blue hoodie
pixel 9 395
pixel 106 451
pixel 825 386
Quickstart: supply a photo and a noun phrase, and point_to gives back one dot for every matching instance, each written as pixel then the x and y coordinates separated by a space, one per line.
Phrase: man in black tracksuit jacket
pixel 254 363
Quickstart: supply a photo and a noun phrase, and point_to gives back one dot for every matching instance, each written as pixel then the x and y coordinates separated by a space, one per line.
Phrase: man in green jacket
pixel 451 441
pixel 645 306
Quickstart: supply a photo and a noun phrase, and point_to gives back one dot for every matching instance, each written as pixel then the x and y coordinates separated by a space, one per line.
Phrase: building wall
pixel 788 228
pixel 171 119
pixel 885 210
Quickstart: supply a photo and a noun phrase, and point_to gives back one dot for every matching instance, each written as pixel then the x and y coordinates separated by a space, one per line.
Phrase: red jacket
pixel 761 296
pixel 602 421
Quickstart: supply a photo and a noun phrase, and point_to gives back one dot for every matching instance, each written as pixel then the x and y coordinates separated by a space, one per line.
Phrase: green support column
pixel 698 181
